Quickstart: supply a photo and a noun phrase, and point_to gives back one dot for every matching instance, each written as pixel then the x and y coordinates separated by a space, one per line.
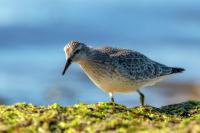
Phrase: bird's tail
pixel 177 70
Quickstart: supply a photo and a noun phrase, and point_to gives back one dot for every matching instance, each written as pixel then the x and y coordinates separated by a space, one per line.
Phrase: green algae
pixel 100 117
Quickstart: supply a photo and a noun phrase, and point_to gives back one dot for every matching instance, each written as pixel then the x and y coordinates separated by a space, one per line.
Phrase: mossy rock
pixel 100 117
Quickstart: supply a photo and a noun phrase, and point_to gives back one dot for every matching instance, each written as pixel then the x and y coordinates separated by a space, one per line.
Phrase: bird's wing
pixel 136 66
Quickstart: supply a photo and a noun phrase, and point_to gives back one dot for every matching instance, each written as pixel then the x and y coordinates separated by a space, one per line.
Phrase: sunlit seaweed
pixel 100 117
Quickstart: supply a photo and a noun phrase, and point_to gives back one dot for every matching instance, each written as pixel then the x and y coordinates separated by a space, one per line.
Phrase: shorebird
pixel 117 70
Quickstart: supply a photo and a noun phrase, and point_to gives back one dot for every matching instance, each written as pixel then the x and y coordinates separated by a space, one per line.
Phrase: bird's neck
pixel 86 57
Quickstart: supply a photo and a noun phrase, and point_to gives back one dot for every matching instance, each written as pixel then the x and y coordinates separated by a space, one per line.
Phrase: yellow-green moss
pixel 100 117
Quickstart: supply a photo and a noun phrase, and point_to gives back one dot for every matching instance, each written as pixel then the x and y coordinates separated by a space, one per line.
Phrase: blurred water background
pixel 33 34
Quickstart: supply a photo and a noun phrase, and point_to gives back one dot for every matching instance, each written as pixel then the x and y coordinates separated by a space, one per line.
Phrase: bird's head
pixel 75 51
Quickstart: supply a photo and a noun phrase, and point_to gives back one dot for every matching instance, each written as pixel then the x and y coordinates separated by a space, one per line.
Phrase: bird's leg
pixel 141 97
pixel 111 97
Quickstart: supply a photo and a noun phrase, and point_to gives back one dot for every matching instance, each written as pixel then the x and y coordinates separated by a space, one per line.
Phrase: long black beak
pixel 69 61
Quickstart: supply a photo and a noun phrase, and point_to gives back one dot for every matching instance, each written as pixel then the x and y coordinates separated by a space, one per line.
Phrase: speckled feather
pixel 132 64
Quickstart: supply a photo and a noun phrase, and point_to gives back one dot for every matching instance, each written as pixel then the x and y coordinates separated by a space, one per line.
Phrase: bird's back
pixel 136 66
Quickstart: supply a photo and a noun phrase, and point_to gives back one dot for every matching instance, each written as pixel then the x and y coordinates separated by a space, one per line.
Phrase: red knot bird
pixel 117 70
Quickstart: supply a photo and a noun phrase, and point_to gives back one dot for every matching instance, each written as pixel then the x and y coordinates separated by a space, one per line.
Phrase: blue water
pixel 33 34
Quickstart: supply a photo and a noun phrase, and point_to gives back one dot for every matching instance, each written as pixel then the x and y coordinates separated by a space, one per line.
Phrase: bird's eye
pixel 77 51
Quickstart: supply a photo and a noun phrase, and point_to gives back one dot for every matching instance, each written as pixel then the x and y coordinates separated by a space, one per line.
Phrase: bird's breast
pixel 107 79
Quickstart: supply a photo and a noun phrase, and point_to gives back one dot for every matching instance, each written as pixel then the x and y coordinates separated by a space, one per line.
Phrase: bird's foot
pixel 142 97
